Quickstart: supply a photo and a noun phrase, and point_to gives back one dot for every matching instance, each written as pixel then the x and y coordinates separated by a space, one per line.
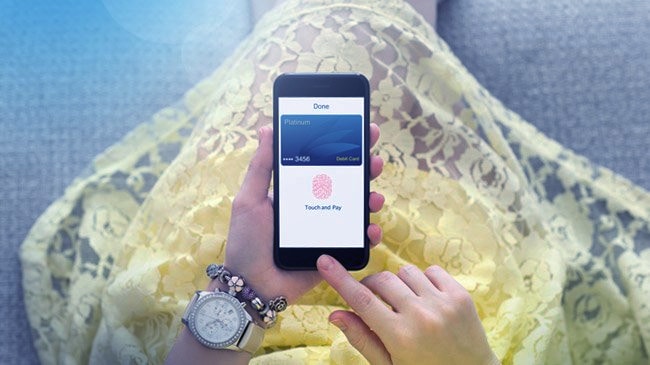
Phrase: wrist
pixel 265 295
pixel 187 350
pixel 258 279
pixel 215 284
pixel 237 286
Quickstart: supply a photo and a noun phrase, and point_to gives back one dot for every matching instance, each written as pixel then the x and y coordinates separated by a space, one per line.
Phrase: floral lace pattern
pixel 554 251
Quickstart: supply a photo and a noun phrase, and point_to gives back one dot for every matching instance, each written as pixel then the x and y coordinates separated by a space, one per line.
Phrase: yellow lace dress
pixel 555 251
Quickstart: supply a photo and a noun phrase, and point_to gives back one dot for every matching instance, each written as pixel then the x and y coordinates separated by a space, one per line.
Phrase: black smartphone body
pixel 321 173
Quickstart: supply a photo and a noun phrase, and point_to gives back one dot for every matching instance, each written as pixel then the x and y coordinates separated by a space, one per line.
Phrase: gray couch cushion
pixel 579 70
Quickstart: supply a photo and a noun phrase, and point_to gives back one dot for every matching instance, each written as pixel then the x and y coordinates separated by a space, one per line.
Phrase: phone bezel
pixel 321 85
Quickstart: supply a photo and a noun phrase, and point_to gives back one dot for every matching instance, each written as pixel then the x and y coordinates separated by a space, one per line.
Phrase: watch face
pixel 218 320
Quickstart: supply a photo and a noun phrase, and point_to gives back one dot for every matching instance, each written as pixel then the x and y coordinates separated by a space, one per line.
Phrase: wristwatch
pixel 219 321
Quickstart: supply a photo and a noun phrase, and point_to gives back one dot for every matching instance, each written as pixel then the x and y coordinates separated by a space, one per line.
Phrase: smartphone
pixel 321 171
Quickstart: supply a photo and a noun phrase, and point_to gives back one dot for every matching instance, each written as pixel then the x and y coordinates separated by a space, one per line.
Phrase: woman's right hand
pixel 432 321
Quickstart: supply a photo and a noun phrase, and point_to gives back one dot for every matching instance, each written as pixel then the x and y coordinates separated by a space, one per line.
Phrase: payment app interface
pixel 321 174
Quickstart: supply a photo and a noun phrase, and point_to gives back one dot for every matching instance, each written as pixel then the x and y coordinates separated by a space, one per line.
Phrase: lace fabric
pixel 554 250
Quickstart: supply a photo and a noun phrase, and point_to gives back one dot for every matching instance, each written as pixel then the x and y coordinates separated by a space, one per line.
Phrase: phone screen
pixel 321 171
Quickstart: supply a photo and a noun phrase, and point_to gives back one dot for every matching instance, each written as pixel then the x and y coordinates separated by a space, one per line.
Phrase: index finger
pixel 361 299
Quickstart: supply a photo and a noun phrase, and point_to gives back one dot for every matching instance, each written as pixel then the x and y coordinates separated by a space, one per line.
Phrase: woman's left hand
pixel 249 251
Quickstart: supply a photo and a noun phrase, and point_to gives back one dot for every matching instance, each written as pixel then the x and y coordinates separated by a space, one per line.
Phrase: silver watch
pixel 219 321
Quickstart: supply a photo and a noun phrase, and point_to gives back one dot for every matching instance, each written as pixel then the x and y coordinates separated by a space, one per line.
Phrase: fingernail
pixel 325 262
pixel 340 324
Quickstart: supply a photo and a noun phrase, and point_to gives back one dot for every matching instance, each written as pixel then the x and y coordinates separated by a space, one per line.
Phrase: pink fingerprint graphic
pixel 321 186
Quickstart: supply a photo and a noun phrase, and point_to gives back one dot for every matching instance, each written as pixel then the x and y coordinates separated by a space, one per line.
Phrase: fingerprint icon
pixel 321 186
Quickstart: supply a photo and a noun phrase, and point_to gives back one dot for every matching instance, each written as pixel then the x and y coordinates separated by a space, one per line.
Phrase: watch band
pixel 189 307
pixel 252 338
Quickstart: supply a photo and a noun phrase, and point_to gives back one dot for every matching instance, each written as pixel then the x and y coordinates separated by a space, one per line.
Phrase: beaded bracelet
pixel 237 286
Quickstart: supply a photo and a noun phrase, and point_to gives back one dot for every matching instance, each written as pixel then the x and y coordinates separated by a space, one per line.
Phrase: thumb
pixel 361 337
pixel 258 177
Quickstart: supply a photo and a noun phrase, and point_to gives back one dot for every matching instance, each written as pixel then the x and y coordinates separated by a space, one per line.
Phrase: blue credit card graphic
pixel 320 140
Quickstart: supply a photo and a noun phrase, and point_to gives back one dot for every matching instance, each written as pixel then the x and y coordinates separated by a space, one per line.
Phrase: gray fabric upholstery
pixel 579 70
pixel 72 82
